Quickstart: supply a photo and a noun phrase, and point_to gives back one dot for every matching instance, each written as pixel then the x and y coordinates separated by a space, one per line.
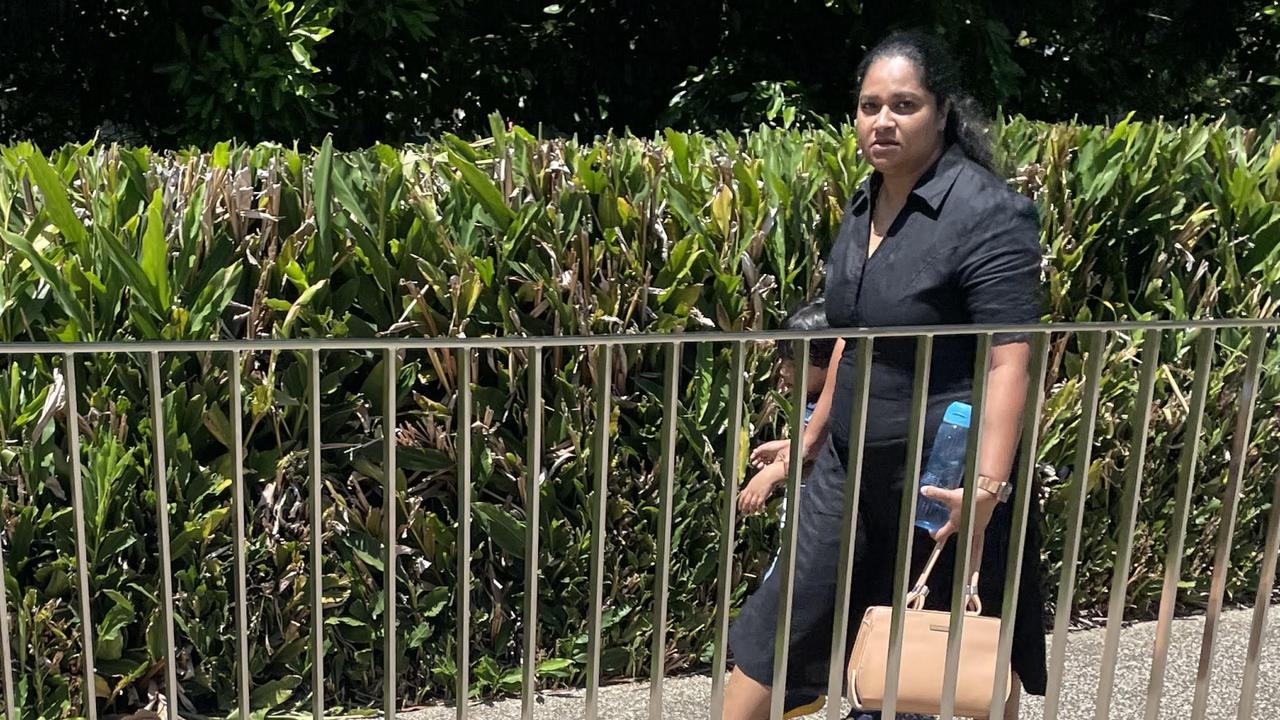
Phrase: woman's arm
pixel 1001 427
pixel 1000 280
pixel 1002 412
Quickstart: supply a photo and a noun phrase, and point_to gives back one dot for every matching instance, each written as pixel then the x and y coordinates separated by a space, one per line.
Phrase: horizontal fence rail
pixel 464 353
pixel 567 341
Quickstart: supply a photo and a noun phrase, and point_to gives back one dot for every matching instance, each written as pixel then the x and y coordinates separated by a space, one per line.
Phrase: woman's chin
pixel 886 164
pixel 897 162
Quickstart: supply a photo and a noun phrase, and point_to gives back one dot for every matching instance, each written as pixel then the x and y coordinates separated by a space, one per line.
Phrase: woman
pixel 932 237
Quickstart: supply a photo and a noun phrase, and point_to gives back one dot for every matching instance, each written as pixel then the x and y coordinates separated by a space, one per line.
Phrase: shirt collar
pixel 932 187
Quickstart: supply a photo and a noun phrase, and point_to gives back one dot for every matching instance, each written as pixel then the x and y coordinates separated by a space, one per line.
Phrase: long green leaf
pixel 347 198
pixel 505 530
pixel 56 201
pixel 273 694
pixel 322 183
pixel 51 275
pixel 139 284
pixel 486 192
pixel 155 251
pixel 303 300
pixel 213 299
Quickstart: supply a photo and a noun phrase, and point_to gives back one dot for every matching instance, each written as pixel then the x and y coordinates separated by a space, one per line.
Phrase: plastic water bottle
pixel 946 465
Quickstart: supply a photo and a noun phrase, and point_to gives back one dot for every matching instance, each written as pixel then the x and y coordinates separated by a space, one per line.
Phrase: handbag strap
pixel 920 591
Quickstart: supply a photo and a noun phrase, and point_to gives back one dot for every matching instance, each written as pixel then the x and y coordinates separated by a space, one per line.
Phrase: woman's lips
pixel 883 148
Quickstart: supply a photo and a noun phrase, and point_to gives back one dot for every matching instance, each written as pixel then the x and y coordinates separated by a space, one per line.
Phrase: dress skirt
pixel 751 637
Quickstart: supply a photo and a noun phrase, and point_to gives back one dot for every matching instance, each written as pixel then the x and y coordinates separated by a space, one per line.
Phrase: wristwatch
pixel 1002 489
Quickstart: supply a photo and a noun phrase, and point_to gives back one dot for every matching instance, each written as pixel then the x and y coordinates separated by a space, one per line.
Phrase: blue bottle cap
pixel 958 414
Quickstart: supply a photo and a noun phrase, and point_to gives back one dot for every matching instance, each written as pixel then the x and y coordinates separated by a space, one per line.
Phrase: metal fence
pixel 1092 337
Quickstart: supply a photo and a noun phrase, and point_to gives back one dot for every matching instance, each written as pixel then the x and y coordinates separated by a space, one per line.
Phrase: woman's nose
pixel 883 118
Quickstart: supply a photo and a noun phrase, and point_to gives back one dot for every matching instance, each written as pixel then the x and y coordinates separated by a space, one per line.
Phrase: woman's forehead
pixel 893 74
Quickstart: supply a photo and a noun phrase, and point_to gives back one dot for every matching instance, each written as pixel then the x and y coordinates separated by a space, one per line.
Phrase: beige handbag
pixel 924 652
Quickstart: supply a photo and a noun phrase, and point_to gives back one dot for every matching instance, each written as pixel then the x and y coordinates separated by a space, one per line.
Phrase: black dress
pixel 964 249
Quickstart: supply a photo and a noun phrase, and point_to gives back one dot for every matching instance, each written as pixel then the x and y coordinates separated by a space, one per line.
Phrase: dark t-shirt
pixel 964 249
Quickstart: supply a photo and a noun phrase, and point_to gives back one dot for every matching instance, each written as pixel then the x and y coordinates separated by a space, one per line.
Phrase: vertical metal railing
pixel 1261 603
pixel 5 650
pixel 599 525
pixel 1024 483
pixel 666 493
pixel 390 530
pixel 462 692
pixel 238 511
pixel 1230 507
pixel 907 518
pixel 733 471
pixel 316 510
pixel 787 559
pixel 1094 345
pixel 532 519
pixel 1187 461
pixel 158 459
pixel 849 528
pixel 1140 421
pixel 1093 340
pixel 82 559
pixel 961 576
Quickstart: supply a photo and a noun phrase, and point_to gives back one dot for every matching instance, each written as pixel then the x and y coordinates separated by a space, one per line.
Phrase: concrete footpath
pixel 689 696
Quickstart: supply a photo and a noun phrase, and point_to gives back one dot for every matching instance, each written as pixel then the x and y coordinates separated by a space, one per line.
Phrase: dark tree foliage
pixel 168 72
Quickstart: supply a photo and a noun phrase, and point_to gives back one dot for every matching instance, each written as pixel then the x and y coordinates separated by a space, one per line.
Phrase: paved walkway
pixel 689 697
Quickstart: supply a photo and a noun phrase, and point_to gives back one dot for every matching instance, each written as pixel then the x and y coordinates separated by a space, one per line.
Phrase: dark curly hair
pixel 967 126
pixel 811 316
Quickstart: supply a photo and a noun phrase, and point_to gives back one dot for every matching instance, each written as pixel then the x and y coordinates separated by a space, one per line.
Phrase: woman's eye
pixel 905 106
pixel 869 108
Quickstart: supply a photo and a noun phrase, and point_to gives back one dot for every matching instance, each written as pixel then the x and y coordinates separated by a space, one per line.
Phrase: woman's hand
pixel 984 506
pixel 767 453
pixel 1001 425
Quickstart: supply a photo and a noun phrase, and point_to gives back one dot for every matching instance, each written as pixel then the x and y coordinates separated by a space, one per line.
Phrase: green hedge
pixel 514 235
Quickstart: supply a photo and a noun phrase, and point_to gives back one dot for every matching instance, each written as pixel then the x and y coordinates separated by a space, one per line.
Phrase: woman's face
pixel 900 125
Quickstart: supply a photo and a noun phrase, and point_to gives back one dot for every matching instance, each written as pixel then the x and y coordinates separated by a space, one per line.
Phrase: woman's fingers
pixel 944 532
pixel 951 498
pixel 954 500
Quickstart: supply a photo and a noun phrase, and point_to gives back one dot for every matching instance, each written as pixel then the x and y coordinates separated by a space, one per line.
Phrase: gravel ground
pixel 689 696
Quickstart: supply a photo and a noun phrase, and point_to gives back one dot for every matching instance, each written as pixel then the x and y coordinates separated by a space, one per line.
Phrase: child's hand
pixel 754 496
pixel 767 453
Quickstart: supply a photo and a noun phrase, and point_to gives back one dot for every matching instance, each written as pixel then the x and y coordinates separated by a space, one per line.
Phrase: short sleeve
pixel 1000 276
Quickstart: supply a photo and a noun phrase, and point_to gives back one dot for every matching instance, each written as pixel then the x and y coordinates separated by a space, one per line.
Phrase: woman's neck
pixel 895 187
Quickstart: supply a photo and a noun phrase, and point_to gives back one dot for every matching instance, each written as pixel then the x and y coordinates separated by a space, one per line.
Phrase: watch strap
pixel 1002 489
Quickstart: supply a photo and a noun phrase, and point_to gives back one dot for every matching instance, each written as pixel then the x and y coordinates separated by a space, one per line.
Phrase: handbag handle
pixel 920 591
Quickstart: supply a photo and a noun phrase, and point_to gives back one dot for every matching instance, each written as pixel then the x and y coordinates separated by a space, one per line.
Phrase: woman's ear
pixel 944 115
